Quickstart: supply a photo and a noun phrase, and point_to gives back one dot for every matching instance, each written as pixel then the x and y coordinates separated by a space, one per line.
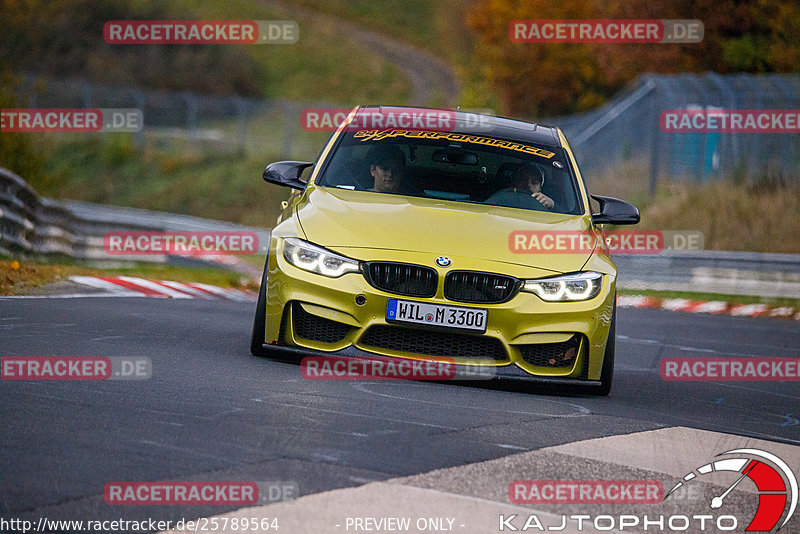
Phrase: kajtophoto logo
pixel 776 486
pixel 774 480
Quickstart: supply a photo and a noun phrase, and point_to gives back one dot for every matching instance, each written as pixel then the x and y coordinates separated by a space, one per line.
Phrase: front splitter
pixel 459 373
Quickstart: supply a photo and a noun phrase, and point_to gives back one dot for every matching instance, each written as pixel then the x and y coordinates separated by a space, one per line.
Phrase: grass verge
pixel 21 276
pixel 758 216
pixel 113 170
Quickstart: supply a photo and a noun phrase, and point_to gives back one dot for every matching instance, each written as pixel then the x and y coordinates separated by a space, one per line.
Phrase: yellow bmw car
pixel 420 235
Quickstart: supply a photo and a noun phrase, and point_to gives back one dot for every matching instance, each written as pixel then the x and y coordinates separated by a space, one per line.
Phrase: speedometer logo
pixel 775 481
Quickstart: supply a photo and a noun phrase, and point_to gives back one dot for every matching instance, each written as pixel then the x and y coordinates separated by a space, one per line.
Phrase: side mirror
pixel 615 211
pixel 287 173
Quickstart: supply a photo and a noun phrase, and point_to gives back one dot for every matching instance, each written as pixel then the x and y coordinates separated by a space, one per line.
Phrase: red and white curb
pixel 717 307
pixel 131 286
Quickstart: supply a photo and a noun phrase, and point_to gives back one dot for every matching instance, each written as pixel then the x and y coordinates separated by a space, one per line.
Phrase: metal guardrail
pixel 33 225
pixel 713 271
pixel 36 225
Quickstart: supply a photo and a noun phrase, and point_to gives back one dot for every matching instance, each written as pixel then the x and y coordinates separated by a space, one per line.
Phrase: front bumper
pixel 306 312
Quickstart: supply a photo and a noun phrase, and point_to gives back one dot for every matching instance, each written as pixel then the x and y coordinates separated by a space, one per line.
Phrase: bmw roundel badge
pixel 443 261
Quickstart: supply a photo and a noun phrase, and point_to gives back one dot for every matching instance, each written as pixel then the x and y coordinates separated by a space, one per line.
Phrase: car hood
pixel 344 221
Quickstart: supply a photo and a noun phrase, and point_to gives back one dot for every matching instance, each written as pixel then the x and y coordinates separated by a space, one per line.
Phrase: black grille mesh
pixel 315 328
pixel 434 343
pixel 558 355
pixel 403 278
pixel 468 286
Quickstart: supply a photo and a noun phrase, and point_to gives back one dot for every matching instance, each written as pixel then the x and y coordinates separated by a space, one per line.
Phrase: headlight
pixel 569 287
pixel 312 258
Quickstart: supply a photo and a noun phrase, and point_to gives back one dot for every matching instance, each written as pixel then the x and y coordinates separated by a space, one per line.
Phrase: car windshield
pixel 455 167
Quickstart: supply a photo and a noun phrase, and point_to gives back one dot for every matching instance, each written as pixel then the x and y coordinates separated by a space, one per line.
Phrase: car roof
pixel 484 125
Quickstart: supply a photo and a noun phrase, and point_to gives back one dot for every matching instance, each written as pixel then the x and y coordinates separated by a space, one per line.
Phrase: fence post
pixel 139 98
pixel 241 108
pixel 729 97
pixel 86 94
pixel 655 150
pixel 702 139
pixel 754 147
pixel 788 103
pixel 289 124
pixel 191 113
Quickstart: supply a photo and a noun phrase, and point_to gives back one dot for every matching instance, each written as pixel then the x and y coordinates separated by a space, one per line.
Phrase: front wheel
pixel 607 374
pixel 259 322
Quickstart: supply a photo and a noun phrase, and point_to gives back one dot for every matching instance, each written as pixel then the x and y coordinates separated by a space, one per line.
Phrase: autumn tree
pixel 547 79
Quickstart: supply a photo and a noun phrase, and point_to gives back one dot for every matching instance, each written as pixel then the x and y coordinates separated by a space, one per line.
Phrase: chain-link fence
pixel 182 119
pixel 628 129
pixel 625 133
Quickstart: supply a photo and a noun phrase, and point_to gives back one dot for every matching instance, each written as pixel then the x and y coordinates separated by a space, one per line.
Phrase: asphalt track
pixel 213 412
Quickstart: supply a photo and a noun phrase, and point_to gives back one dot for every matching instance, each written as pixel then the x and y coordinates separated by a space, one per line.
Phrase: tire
pixel 607 374
pixel 259 331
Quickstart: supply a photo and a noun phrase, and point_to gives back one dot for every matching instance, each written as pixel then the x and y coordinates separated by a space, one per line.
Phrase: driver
pixel 530 178
pixel 387 165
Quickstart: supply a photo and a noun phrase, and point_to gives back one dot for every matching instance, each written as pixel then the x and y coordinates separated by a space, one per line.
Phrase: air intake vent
pixel 434 343
pixel 314 328
pixel 557 355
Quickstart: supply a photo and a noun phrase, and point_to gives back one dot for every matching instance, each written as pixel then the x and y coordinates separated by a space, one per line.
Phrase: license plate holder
pixel 437 316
